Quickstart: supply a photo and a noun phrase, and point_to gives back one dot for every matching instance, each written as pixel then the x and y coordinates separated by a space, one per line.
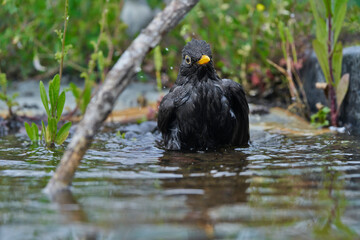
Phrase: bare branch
pixel 116 81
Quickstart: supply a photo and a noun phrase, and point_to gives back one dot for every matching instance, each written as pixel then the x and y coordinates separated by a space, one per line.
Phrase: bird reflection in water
pixel 215 176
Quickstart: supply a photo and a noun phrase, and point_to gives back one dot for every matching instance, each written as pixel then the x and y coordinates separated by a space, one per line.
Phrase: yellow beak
pixel 204 59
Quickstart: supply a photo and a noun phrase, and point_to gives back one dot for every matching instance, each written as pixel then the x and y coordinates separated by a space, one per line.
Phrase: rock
pixel 148 126
pixel 312 73
pixel 142 128
pixel 350 112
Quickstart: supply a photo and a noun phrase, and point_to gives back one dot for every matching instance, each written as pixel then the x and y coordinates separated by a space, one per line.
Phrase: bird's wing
pixel 167 114
pixel 238 103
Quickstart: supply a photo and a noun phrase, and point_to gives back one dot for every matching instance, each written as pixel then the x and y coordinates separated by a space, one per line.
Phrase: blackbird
pixel 202 111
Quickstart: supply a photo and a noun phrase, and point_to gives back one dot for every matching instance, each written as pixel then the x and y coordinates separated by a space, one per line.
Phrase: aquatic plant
pixel 54 104
pixel 319 119
pixel 329 17
pixel 120 134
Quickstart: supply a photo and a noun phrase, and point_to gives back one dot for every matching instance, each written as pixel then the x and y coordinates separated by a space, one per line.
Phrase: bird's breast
pixel 206 103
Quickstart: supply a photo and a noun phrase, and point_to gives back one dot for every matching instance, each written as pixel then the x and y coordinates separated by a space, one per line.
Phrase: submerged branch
pixel 116 81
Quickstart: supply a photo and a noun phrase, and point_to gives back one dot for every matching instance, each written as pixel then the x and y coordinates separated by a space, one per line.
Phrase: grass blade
pixel 35 131
pixel 60 105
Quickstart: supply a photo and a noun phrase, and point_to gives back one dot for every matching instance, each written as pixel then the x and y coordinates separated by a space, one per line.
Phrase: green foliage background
pixel 28 30
pixel 240 32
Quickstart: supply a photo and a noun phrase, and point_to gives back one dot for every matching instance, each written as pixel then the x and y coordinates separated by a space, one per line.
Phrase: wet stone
pixel 312 73
pixel 144 127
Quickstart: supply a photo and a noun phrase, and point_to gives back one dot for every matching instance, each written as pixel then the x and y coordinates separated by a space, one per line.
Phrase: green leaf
pixel 63 133
pixel 340 12
pixel 337 62
pixel 3 97
pixel 101 61
pixel 281 31
pixel 35 131
pixel 56 85
pixel 321 54
pixel 43 131
pixel 3 81
pixel 86 96
pixel 157 58
pixel 320 22
pixel 85 75
pixel 52 98
pixel 326 111
pixel 14 96
pixel 54 89
pixel 48 135
pixel 44 98
pixel 60 105
pixel 52 125
pixel 75 90
pixel 342 89
pixel 29 132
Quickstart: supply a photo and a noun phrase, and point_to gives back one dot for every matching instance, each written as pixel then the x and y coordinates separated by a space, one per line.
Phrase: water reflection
pixel 209 180
pixel 281 187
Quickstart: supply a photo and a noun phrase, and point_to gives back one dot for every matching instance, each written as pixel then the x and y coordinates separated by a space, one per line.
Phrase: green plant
pixel 158 66
pixel 27 33
pixel 33 132
pixel 54 104
pixel 54 109
pixel 319 119
pixel 299 105
pixel 83 96
pixel 120 134
pixel 329 16
pixel 242 33
pixel 9 100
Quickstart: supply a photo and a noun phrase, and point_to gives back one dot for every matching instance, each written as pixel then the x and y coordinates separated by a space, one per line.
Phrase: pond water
pixel 281 187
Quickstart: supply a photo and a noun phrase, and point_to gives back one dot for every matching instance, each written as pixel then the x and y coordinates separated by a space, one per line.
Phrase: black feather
pixel 202 111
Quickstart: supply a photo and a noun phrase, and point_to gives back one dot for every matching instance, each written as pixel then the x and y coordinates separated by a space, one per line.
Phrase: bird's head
pixel 197 59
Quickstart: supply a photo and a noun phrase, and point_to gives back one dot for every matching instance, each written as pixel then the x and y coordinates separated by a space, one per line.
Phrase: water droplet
pixel 138 69
pixel 166 49
pixel 171 67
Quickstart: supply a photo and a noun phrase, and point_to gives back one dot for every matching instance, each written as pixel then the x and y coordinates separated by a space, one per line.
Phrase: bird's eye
pixel 187 59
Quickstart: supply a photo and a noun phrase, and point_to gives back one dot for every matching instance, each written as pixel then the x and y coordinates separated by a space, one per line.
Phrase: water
pixel 282 187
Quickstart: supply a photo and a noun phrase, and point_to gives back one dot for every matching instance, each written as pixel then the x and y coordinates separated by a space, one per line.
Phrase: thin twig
pixel 63 39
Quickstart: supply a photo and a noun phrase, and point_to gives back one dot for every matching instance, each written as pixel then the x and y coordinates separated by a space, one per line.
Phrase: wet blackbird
pixel 202 111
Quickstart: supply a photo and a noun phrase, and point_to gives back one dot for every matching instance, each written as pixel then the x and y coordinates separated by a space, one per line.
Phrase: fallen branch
pixel 116 81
